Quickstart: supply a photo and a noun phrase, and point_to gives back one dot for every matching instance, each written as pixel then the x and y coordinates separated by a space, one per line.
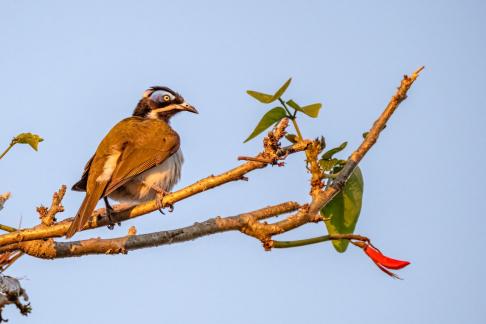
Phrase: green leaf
pixel 28 138
pixel 312 110
pixel 328 165
pixel 343 210
pixel 294 105
pixel 365 134
pixel 282 89
pixel 266 98
pixel 262 97
pixel 329 154
pixel 309 110
pixel 292 138
pixel 271 117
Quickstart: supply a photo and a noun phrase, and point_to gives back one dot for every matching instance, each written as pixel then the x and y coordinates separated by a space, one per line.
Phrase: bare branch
pixel 248 223
pixel 49 249
pixel 124 212
pixel 48 215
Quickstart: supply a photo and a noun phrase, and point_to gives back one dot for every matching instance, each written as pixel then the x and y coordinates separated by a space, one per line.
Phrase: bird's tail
pixel 84 212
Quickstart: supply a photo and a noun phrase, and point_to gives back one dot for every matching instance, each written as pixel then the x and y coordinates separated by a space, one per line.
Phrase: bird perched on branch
pixel 138 160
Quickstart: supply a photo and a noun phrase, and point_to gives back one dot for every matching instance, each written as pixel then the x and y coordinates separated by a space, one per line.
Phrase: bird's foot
pixel 159 199
pixel 109 213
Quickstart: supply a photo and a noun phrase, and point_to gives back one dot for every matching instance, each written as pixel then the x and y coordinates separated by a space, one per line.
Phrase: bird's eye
pixel 166 98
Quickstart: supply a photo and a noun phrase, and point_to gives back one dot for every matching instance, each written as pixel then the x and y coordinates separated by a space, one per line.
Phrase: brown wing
pixel 81 184
pixel 138 145
pixel 134 161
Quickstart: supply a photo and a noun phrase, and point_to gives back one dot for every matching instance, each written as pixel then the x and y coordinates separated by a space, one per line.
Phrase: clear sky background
pixel 70 70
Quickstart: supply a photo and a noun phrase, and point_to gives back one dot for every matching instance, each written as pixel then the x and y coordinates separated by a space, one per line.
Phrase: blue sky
pixel 70 71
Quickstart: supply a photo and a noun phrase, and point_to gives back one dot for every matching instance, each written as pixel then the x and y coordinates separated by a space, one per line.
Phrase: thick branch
pixel 123 212
pixel 264 232
pixel 49 249
pixel 248 223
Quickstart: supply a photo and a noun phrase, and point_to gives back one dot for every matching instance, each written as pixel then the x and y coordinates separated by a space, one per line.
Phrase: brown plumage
pixel 138 160
pixel 145 144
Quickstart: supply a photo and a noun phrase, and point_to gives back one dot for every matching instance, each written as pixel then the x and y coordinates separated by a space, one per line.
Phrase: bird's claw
pixel 159 197
pixel 109 214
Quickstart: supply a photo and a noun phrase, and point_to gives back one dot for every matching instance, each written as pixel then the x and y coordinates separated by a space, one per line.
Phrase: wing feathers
pixel 84 213
pixel 131 147
pixel 109 166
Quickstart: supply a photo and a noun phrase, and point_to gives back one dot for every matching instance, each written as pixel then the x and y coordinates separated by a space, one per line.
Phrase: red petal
pixel 388 272
pixel 383 260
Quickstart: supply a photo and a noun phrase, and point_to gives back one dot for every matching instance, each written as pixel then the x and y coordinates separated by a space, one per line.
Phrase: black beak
pixel 187 107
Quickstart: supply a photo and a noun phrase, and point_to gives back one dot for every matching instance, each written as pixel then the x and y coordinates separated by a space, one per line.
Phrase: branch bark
pixel 123 212
pixel 39 241
pixel 49 249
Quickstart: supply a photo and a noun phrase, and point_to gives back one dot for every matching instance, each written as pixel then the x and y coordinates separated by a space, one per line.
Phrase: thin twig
pixel 319 239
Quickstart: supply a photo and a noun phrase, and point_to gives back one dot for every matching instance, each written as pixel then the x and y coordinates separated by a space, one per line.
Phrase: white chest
pixel 166 174
pixel 163 176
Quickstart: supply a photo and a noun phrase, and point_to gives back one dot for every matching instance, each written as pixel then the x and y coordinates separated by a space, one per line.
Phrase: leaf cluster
pixel 288 109
pixel 342 212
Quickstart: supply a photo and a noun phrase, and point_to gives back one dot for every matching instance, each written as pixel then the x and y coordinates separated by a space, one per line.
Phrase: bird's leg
pixel 159 197
pixel 109 213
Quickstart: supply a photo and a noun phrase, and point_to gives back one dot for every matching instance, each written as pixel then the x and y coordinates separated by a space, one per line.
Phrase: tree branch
pixel 49 249
pixel 271 153
pixel 319 239
pixel 264 232
pixel 247 223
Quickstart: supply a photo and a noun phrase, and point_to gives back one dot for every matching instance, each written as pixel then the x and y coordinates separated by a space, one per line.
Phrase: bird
pixel 138 160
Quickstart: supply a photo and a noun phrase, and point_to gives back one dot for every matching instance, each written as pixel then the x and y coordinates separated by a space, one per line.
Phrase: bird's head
pixel 161 103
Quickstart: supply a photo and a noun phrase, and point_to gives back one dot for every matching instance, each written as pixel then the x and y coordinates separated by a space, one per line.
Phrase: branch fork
pixel 39 241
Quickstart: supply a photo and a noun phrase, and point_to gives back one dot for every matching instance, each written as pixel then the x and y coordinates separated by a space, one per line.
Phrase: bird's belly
pixel 144 186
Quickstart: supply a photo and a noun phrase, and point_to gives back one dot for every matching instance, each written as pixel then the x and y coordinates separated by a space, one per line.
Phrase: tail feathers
pixel 80 185
pixel 83 215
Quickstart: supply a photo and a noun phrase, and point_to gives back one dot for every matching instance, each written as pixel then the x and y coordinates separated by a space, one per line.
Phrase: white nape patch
pixel 153 114
pixel 109 166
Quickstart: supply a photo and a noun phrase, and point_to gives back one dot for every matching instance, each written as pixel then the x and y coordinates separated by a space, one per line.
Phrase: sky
pixel 70 70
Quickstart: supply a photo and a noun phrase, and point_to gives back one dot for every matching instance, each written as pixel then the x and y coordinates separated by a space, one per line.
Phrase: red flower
pixel 383 262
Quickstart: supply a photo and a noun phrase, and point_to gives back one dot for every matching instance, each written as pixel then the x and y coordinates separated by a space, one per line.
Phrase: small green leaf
pixel 28 138
pixel 343 210
pixel 312 110
pixel 282 89
pixel 309 110
pixel 329 154
pixel 266 98
pixel 365 134
pixel 262 97
pixel 294 105
pixel 292 138
pixel 271 117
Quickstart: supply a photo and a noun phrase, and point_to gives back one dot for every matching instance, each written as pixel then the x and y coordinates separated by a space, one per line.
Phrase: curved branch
pixel 248 223
pixel 318 239
pixel 264 232
pixel 270 155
